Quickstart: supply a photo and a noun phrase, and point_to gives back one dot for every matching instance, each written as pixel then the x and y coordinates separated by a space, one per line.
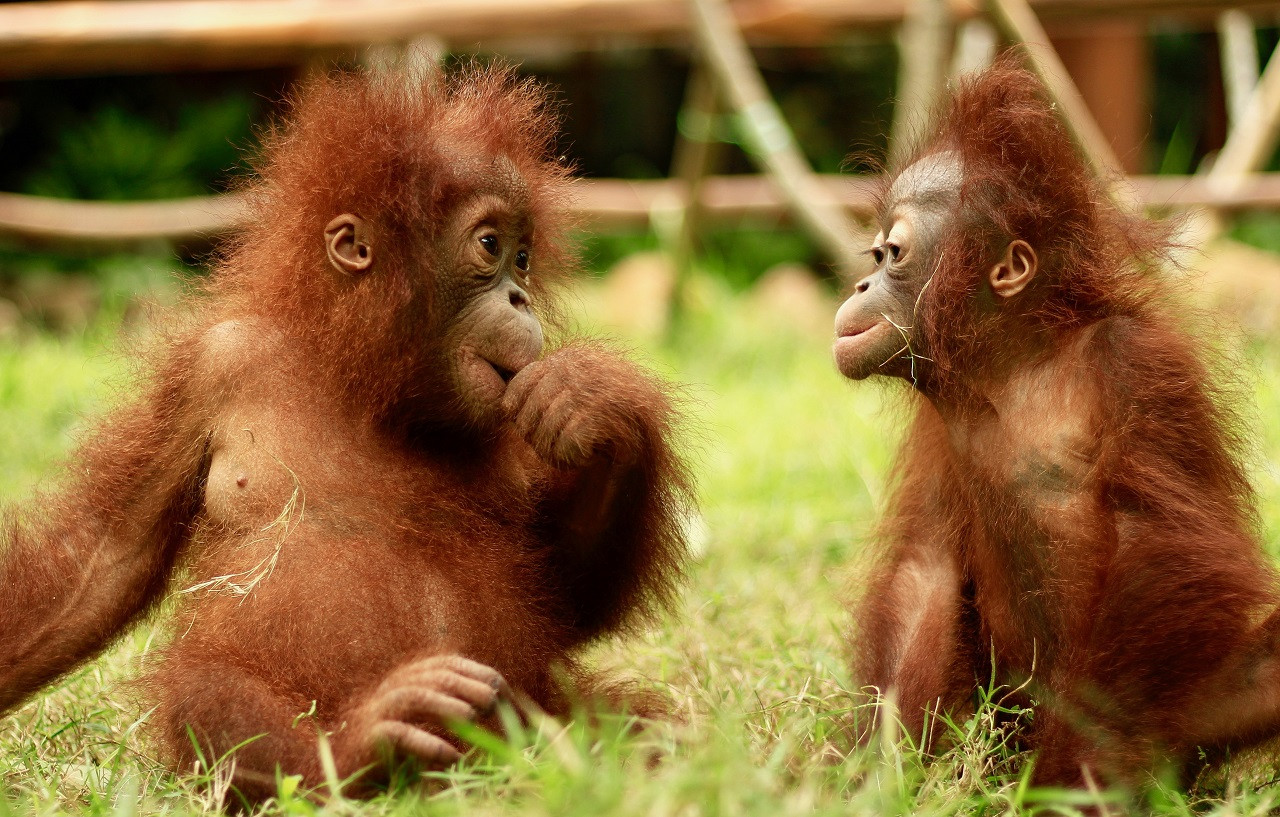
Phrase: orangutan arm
pixel 914 640
pixel 621 495
pixel 915 626
pixel 1179 652
pixel 84 562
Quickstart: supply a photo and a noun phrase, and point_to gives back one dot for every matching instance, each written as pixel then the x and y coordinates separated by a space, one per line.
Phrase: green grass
pixel 791 463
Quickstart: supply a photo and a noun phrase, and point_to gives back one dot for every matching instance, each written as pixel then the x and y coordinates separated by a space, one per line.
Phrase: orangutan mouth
pixel 503 372
pixel 853 333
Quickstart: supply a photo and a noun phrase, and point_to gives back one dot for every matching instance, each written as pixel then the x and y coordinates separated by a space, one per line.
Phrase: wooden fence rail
pixel 602 203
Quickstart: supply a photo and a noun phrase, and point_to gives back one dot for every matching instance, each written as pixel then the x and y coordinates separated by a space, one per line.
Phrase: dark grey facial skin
pixel 874 326
pixel 492 331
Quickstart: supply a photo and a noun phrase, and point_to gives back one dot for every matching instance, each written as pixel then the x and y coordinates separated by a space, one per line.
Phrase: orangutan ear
pixel 347 240
pixel 1015 270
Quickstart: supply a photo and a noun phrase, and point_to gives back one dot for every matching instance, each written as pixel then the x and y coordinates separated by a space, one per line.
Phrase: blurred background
pixel 146 101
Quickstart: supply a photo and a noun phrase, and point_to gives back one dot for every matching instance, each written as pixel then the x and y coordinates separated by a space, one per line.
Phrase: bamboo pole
pixel 695 156
pixel 62 221
pixel 419 53
pixel 1239 52
pixel 1253 139
pixel 118 36
pixel 114 36
pixel 771 145
pixel 975 47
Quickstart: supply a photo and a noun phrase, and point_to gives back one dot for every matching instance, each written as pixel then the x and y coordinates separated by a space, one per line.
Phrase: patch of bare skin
pixel 482 374
pixel 286 522
pixel 936 175
pixel 1042 442
pixel 933 177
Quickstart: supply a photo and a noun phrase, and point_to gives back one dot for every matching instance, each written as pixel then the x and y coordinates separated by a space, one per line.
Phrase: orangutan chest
pixel 1039 448
pixel 1038 481
pixel 255 478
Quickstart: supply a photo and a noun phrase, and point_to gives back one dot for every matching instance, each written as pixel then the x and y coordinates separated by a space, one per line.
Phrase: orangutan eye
pixel 894 251
pixel 490 244
pixel 878 254
pixel 522 260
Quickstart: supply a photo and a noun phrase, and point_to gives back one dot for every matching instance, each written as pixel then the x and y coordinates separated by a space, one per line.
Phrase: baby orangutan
pixel 1070 501
pixel 393 501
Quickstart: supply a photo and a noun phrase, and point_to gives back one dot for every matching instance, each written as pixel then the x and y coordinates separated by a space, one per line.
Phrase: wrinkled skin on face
pixel 874 326
pixel 490 331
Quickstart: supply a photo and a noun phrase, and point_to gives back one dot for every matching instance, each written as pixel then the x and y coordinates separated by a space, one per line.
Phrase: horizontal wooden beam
pixel 67 221
pixel 128 35
pixel 601 204
pixel 1260 191
pixel 125 36
pixel 598 203
pixel 1205 11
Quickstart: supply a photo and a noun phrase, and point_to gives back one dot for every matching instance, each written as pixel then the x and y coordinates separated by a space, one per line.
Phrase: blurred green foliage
pixel 1183 62
pixel 736 254
pixel 1261 229
pixel 117 273
pixel 137 137
pixel 120 154
pixel 622 106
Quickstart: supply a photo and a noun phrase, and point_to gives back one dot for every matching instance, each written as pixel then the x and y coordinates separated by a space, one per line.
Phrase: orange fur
pixel 1070 501
pixel 288 449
